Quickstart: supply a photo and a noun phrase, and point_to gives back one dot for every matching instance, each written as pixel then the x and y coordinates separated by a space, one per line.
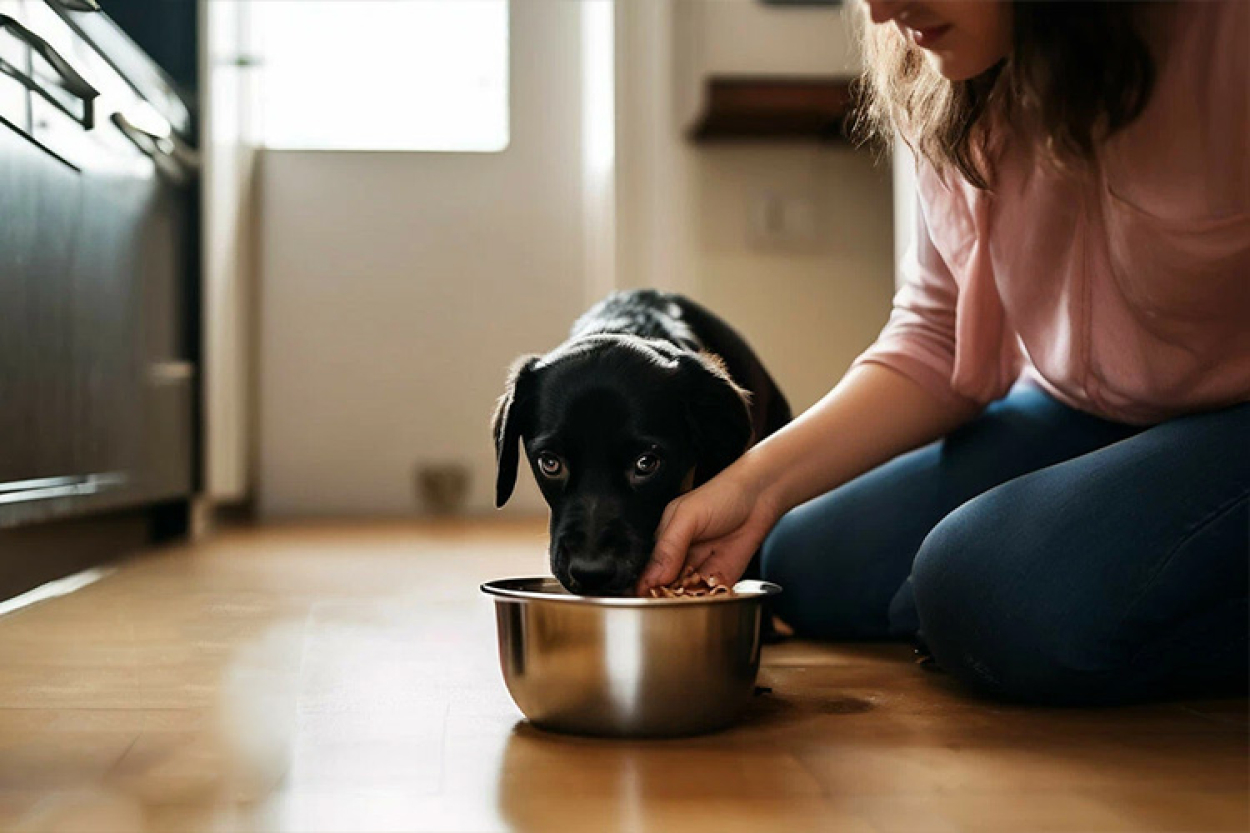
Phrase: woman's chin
pixel 955 67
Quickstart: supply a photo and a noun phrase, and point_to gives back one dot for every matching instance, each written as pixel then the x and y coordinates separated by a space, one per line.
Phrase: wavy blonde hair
pixel 1077 72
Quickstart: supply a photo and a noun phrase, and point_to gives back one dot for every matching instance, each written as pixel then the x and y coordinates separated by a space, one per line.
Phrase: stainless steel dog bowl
pixel 628 667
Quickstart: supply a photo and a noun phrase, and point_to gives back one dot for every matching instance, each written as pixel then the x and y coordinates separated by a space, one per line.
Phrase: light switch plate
pixel 785 221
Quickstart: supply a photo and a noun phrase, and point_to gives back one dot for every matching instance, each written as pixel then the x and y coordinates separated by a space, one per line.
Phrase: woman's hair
pixel 1077 72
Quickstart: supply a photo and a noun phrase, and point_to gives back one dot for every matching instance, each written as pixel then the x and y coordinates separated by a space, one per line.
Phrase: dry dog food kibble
pixel 691 585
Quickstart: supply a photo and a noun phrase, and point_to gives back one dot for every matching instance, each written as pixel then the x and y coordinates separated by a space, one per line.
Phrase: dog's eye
pixel 550 465
pixel 646 465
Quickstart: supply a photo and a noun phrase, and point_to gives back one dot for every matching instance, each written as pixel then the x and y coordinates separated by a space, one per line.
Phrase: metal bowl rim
pixel 748 590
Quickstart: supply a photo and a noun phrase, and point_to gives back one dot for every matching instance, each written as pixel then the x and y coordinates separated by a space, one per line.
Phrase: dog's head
pixel 615 427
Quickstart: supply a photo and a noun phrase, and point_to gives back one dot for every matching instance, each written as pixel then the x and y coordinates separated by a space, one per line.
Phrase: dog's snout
pixel 592 575
pixel 593 529
pixel 573 541
pixel 610 538
pixel 594 550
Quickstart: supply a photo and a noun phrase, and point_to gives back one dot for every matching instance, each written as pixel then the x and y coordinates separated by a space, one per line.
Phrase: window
pixel 429 75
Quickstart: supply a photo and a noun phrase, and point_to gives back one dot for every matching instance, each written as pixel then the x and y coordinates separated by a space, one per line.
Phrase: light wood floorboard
pixel 345 678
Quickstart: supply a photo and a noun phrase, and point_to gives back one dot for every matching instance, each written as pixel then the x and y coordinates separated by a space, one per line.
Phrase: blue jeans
pixel 1041 554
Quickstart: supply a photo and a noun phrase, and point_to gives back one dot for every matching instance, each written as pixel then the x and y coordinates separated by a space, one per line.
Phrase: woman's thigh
pixel 1118 575
pixel 842 557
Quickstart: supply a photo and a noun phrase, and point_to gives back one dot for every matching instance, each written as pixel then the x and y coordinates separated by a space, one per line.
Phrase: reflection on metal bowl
pixel 628 667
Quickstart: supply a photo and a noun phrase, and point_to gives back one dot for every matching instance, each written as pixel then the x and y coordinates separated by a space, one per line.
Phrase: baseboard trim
pixel 34 555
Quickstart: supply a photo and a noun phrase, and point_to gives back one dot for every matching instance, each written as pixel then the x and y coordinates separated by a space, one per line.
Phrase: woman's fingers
pixel 702 527
pixel 726 564
pixel 699 553
pixel 671 543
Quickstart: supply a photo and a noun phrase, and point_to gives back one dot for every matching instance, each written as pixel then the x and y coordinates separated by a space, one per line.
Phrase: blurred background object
pixel 99 322
pixel 442 488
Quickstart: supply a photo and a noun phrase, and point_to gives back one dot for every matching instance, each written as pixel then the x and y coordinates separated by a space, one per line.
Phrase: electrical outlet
pixel 782 221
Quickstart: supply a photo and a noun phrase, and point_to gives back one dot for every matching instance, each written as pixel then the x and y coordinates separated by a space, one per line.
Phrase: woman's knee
pixel 987 621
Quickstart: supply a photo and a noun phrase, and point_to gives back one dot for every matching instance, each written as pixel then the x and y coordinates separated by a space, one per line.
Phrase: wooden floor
pixel 345 678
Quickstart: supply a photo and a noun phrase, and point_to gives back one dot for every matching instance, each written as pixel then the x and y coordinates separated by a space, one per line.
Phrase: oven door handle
pixel 71 80
pixel 171 156
pixel 78 5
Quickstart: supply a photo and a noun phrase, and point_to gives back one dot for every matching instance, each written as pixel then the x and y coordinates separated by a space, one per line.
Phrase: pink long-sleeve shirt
pixel 1122 288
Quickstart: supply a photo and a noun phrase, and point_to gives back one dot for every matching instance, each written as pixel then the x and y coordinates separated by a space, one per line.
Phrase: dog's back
pixel 669 317
pixel 640 312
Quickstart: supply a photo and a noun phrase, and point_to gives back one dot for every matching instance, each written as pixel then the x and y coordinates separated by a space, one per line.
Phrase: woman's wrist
pixel 762 480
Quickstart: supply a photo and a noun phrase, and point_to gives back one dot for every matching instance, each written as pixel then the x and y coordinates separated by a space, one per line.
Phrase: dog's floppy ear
pixel 508 424
pixel 719 412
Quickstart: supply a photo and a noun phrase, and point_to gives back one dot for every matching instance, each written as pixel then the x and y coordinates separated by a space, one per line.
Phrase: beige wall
pixel 809 307
pixel 809 311
pixel 748 37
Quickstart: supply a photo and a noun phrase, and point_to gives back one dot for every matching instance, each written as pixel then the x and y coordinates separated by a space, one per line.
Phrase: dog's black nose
pixel 592 576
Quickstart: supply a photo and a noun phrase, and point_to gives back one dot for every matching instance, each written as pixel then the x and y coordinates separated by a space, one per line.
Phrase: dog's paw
pixel 775 630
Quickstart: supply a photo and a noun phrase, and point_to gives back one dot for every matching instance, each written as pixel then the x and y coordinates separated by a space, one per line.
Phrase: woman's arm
pixel 899 395
pixel 875 413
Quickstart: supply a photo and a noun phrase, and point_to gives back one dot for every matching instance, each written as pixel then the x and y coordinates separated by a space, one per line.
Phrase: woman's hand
pixel 715 529
pixel 873 414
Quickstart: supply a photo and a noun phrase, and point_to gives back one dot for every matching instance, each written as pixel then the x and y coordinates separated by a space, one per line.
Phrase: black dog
pixel 651 396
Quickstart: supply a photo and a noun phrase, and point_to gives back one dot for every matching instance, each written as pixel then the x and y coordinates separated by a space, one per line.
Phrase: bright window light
pixel 426 75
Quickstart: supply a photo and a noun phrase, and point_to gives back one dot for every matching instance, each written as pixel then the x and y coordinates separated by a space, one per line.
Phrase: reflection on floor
pixel 345 678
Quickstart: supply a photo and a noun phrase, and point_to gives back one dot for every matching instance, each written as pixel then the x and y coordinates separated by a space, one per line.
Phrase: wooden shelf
pixel 774 108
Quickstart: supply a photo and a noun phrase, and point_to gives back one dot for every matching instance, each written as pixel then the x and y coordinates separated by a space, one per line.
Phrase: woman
pixel 1072 341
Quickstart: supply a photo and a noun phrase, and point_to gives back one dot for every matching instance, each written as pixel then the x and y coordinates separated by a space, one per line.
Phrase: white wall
pixel 398 287
pixel 229 228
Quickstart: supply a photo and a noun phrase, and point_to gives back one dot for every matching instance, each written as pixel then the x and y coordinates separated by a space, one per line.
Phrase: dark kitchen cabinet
pixel 41 213
pixel 97 276
pixel 166 442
